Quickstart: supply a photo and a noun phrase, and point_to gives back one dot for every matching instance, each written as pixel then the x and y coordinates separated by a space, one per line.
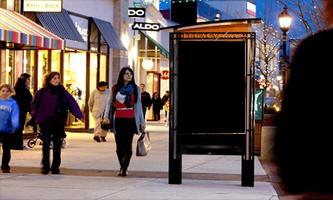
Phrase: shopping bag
pixel 143 145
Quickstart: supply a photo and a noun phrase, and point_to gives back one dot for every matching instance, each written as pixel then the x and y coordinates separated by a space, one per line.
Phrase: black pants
pixel 125 129
pixel 17 142
pixel 54 134
pixel 156 115
pixel 144 109
pixel 6 146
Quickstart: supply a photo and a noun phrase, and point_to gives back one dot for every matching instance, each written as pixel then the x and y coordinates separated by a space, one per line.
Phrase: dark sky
pixel 268 10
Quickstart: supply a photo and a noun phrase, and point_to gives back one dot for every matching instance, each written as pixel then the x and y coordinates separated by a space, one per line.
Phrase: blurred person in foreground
pixel 304 138
pixel 49 108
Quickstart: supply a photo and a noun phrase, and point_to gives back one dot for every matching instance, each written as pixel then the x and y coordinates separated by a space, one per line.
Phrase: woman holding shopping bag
pixel 125 99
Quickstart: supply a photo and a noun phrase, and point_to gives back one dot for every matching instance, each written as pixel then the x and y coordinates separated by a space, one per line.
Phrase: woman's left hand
pixel 143 127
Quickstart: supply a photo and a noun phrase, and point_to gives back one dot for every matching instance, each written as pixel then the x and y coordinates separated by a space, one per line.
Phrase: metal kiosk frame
pixel 241 143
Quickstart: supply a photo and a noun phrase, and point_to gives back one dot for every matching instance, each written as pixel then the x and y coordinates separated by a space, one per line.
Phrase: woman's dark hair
pixel 101 84
pixel 48 77
pixel 20 84
pixel 25 75
pixel 120 82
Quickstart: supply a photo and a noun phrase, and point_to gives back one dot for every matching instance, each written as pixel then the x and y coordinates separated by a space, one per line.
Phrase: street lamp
pixel 285 22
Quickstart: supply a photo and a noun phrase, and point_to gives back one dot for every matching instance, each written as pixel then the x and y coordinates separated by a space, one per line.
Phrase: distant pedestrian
pixel 23 98
pixel 128 117
pixel 166 108
pixel 145 99
pixel 97 103
pixel 304 138
pixel 50 107
pixel 166 105
pixel 156 106
pixel 9 122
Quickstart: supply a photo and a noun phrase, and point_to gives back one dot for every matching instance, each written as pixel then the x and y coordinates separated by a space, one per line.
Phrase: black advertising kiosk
pixel 212 97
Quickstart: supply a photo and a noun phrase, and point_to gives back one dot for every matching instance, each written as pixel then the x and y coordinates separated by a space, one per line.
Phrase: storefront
pixel 85 60
pixel 152 60
pixel 20 40
pixel 151 63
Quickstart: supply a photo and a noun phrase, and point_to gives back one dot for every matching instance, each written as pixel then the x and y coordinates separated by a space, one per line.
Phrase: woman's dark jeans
pixel 48 134
pixel 6 140
pixel 125 129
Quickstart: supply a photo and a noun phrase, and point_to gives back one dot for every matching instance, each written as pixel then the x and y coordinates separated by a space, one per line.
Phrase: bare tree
pixel 308 12
pixel 268 45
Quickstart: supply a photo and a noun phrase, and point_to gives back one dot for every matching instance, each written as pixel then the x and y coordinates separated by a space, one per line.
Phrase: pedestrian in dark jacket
pixel 49 108
pixel 157 105
pixel 145 99
pixel 304 138
pixel 9 122
pixel 23 98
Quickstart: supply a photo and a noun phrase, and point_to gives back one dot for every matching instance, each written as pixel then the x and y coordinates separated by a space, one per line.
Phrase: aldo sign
pixel 146 26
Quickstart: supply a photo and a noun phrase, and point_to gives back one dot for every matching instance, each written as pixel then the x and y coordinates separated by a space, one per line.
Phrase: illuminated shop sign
pixel 146 26
pixel 42 6
pixel 136 12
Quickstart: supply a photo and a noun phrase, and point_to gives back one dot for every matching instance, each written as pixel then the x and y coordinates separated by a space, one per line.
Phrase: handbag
pixel 143 145
pixel 106 125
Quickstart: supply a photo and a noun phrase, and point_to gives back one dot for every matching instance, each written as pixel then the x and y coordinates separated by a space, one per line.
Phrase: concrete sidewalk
pixel 88 171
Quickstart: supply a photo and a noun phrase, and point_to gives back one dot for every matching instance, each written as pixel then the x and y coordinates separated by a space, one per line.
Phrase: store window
pixel 29 66
pixel 75 83
pixel 152 86
pixel 55 64
pixel 43 68
pixel 10 5
pixel 102 68
pixel 92 82
pixel 7 65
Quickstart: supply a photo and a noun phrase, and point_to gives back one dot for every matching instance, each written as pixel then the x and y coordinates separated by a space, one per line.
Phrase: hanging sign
pixel 146 26
pixel 165 74
pixel 42 5
pixel 136 12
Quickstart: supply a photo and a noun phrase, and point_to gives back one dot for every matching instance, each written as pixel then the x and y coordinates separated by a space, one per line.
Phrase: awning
pixel 163 51
pixel 109 34
pixel 60 24
pixel 15 28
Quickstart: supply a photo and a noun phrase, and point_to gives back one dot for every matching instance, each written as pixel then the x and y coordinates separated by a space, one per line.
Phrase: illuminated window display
pixel 152 85
pixel 29 66
pixel 75 82
pixel 93 73
pixel 102 68
pixel 55 64
pixel 42 66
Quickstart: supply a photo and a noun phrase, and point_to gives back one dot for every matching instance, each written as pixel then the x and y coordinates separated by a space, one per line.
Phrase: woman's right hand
pixel 105 120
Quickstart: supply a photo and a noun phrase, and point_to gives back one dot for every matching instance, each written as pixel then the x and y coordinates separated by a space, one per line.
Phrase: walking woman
pixel 50 107
pixel 23 98
pixel 125 98
pixel 9 122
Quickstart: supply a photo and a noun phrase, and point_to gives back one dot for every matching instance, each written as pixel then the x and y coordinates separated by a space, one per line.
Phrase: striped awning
pixel 15 28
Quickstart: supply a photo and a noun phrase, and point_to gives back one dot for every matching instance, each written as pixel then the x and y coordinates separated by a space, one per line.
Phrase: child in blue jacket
pixel 9 122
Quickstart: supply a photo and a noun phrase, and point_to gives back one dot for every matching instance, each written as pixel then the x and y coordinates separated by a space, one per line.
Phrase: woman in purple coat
pixel 49 108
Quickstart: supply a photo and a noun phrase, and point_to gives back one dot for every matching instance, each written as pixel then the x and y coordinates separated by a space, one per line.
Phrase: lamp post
pixel 285 22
